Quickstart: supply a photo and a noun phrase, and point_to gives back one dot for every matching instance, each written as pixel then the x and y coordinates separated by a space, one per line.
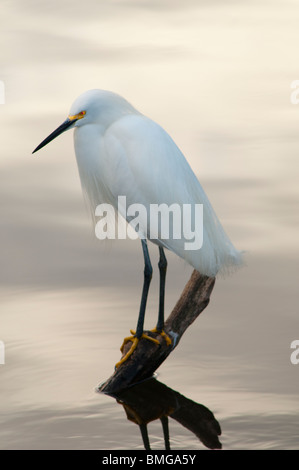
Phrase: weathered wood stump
pixel 148 356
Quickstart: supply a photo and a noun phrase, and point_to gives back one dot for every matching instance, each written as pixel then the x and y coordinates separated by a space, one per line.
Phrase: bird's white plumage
pixel 120 152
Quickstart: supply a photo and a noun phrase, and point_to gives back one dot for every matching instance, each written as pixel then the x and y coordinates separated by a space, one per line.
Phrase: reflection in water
pixel 151 400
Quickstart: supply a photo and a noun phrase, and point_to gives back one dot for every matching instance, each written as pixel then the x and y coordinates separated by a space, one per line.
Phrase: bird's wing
pixel 143 163
pixel 146 165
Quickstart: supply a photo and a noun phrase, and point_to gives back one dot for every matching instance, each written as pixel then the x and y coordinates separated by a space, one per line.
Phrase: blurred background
pixel 217 76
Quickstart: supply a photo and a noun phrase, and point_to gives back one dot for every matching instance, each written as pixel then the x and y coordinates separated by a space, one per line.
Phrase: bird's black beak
pixel 62 128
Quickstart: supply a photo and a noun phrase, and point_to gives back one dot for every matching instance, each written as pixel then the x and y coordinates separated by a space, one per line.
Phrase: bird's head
pixel 92 107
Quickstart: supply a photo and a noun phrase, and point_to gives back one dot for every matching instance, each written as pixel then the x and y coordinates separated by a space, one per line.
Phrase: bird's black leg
pixel 148 271
pixel 144 434
pixel 164 421
pixel 162 268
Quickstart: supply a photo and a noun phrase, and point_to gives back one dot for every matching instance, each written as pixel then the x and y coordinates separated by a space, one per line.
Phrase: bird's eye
pixel 82 113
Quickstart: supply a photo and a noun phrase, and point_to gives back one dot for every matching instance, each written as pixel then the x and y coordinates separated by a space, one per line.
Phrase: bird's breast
pixel 92 165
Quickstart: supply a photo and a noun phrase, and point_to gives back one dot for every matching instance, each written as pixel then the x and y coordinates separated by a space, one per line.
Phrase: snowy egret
pixel 120 152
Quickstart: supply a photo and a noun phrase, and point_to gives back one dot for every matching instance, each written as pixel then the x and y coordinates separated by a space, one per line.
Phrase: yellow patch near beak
pixel 77 116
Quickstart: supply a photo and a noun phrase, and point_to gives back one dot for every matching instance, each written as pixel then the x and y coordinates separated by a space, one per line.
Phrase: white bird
pixel 121 152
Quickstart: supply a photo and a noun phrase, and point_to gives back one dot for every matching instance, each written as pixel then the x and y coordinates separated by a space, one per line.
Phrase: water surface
pixel 218 78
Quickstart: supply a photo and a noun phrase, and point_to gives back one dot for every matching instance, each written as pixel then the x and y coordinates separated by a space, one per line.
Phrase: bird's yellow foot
pixel 164 335
pixel 134 340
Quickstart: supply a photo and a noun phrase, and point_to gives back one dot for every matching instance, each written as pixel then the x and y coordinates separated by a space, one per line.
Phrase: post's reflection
pixel 151 400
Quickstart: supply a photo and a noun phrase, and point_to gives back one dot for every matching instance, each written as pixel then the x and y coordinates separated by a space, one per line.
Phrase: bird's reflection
pixel 151 400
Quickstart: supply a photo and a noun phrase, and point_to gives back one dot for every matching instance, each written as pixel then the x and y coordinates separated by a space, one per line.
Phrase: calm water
pixel 218 79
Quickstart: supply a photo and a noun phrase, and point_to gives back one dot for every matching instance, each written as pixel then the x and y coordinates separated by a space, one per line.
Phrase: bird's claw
pixel 133 337
pixel 134 340
pixel 164 335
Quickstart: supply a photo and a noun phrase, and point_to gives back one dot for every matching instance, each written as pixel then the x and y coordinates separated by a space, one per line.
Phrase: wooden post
pixel 148 356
